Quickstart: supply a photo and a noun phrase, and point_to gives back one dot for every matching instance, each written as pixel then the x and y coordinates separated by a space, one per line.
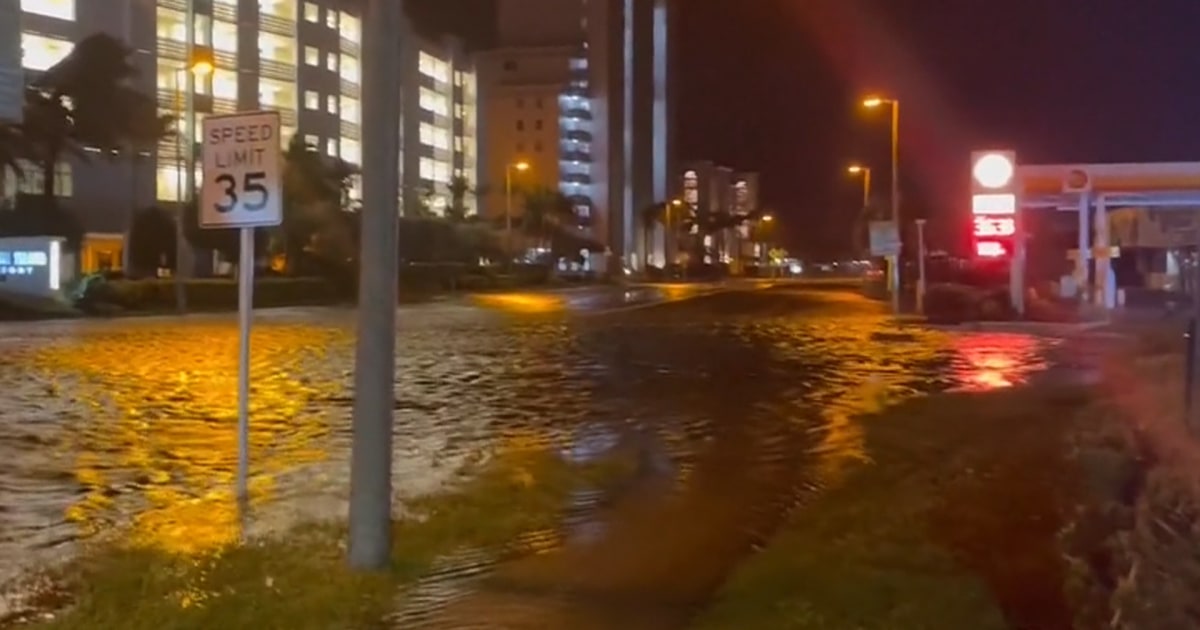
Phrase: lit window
pixel 277 48
pixel 331 62
pixel 285 136
pixel 225 37
pixel 31 181
pixel 351 151
pixel 350 28
pixel 312 141
pixel 434 102
pixel 285 9
pixel 350 111
pixel 331 19
pixel 279 94
pixel 331 148
pixel 458 78
pixel 312 56
pixel 350 69
pixel 312 12
pixel 172 25
pixel 433 67
pixel 41 53
pixel 312 100
pixel 435 137
pixel 331 104
pixel 225 84
pixel 61 9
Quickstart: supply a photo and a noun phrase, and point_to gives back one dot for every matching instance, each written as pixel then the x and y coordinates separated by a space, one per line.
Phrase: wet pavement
pixel 742 404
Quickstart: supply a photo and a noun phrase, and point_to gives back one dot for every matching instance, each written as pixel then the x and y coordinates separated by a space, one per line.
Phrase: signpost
pixel 242 189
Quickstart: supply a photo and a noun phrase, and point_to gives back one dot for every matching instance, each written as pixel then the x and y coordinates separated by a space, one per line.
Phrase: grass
pixel 952 525
pixel 300 581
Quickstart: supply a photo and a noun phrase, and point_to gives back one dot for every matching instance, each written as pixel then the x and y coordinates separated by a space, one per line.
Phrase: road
pixel 745 397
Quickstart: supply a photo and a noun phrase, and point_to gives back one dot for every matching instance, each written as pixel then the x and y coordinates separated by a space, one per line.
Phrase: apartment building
pixel 602 71
pixel 438 126
pixel 300 57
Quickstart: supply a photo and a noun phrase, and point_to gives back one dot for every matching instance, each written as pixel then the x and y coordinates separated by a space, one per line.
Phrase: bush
pixel 957 303
pixel 110 296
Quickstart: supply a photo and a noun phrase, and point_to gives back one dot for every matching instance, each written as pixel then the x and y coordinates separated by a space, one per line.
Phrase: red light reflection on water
pixel 990 361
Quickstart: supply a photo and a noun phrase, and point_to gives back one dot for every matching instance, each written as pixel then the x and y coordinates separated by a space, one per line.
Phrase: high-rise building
pixel 300 57
pixel 604 133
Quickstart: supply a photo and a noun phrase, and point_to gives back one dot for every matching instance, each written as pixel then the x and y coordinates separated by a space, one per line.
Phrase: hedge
pixel 206 294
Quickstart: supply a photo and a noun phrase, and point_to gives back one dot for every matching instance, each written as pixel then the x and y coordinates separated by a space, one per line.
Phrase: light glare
pixel 993 170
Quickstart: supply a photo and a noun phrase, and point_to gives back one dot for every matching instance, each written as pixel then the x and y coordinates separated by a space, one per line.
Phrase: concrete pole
pixel 375 361
pixel 896 270
pixel 920 266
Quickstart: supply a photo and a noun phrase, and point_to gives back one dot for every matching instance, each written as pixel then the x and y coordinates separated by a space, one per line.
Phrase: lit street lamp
pixel 873 102
pixel 185 162
pixel 865 171
pixel 520 167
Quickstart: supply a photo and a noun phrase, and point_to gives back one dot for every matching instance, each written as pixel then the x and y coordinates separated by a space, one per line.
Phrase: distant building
pixel 602 69
pixel 709 191
pixel 300 57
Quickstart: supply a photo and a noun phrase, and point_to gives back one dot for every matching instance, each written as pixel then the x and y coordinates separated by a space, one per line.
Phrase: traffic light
pixel 994 203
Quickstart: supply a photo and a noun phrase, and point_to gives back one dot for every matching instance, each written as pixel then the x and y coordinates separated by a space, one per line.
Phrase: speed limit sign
pixel 243 174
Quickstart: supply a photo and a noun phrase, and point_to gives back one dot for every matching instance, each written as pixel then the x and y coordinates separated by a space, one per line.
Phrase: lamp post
pixel 920 266
pixel 894 280
pixel 519 166
pixel 185 163
pixel 865 171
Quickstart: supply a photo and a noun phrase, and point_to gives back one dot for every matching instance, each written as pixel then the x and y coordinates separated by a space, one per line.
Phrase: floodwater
pixel 744 404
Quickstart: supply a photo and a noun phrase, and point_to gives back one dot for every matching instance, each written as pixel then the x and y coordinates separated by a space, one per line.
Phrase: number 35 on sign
pixel 243 171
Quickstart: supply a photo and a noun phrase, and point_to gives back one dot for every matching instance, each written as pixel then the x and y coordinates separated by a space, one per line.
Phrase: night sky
pixel 774 86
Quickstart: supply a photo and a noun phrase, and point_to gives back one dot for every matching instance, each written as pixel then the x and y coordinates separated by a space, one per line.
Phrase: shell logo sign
pixel 1077 180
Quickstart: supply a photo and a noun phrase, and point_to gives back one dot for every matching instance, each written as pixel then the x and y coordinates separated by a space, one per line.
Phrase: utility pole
pixel 375 360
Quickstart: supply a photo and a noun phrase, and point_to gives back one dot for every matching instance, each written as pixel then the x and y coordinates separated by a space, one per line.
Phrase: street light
pixel 185 162
pixel 871 103
pixel 520 166
pixel 865 171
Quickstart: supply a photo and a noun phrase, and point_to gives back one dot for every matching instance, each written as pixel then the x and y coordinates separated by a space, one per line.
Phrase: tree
pixel 152 240
pixel 546 211
pixel 226 241
pixel 315 230
pixel 12 149
pixel 87 99
pixel 458 188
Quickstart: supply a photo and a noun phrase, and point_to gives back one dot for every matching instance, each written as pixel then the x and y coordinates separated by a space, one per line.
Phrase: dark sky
pixel 774 85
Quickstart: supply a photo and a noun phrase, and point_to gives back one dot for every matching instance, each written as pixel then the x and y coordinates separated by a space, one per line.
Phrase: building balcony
pixel 576 90
pixel 224 105
pixel 226 60
pixel 279 70
pixel 347 129
pixel 581 157
pixel 578 135
pixel 224 12
pixel 276 24
pixel 178 5
pixel 171 49
pixel 582 179
pixel 350 88
pixel 350 47
pixel 577 113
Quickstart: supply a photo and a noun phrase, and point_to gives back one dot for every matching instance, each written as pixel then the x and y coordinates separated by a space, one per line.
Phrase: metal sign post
pixel 242 189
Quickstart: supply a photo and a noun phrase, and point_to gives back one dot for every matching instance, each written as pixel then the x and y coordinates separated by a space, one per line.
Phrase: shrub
pixel 204 294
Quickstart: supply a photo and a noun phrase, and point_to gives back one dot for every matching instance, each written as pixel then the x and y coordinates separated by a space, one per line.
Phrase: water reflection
pixel 742 407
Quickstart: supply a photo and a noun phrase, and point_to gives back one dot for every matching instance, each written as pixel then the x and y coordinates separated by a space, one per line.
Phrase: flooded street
pixel 742 404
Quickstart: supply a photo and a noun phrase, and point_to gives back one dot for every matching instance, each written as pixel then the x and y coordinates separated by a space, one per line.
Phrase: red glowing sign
pixel 990 249
pixel 994 227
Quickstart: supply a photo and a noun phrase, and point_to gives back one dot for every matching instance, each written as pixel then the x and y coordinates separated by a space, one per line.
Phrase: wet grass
pixel 953 524
pixel 300 581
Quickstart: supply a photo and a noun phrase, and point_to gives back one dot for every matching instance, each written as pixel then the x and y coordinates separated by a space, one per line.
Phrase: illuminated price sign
pixel 990 249
pixel 995 227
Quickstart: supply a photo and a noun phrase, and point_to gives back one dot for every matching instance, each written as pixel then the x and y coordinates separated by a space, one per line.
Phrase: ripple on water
pixel 743 406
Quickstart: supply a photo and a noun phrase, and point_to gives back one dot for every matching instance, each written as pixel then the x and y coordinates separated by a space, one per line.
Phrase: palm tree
pixel 546 211
pixel 12 148
pixel 48 130
pixel 459 188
